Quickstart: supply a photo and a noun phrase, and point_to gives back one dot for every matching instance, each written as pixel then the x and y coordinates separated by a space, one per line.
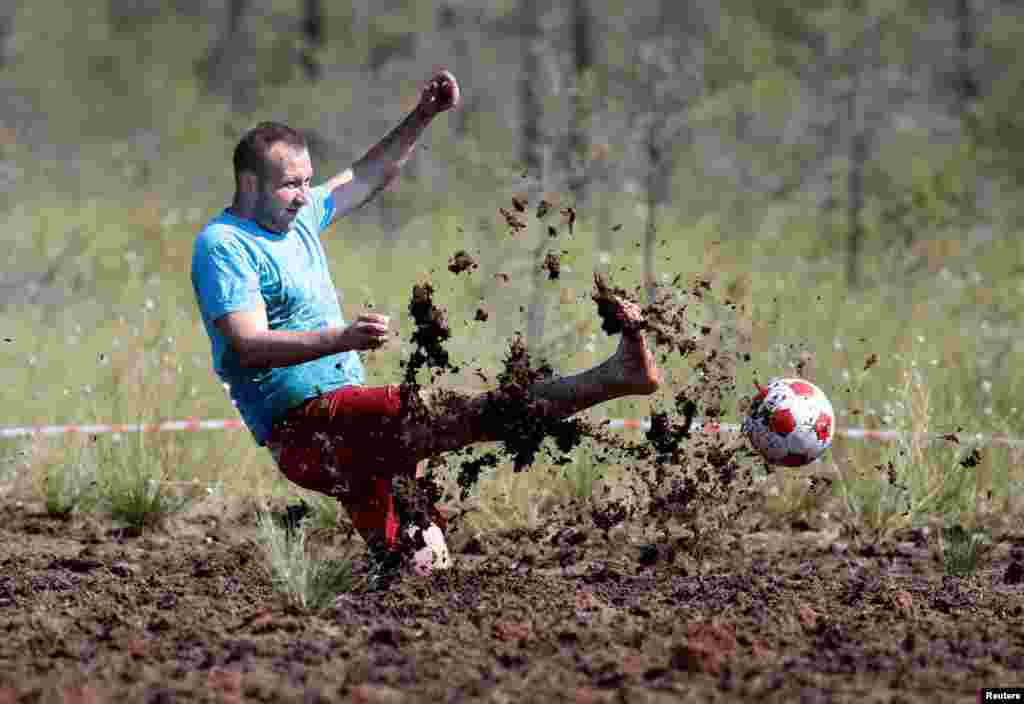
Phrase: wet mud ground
pixel 685 589
pixel 563 612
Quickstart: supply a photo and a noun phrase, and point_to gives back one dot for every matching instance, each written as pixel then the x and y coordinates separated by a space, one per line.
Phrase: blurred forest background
pixel 852 170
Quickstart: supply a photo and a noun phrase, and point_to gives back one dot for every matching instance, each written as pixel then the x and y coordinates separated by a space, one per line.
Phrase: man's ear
pixel 248 182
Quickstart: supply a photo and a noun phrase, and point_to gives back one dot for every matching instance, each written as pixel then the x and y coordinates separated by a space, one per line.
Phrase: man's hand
pixel 258 346
pixel 441 93
pixel 355 186
pixel 368 332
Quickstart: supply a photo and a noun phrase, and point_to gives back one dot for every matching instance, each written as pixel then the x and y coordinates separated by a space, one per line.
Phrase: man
pixel 279 341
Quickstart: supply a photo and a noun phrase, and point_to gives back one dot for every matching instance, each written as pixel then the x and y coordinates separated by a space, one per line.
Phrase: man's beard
pixel 275 219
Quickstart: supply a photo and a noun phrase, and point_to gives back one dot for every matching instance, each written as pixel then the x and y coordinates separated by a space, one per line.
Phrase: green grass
pixel 942 314
pixel 583 473
pixel 70 485
pixel 961 549
pixel 306 582
pixel 153 361
pixel 135 485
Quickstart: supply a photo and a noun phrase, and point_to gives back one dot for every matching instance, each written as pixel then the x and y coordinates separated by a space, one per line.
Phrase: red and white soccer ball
pixel 790 422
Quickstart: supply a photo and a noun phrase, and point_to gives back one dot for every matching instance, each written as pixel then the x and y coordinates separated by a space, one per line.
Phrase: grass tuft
pixel 306 582
pixel 961 549
pixel 583 473
pixel 133 486
pixel 71 484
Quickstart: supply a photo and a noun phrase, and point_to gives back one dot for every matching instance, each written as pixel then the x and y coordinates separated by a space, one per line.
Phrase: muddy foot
pixel 637 370
pixel 434 555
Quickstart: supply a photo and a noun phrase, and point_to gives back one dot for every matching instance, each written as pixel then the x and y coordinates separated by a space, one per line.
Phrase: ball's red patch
pixel 782 422
pixel 823 427
pixel 762 392
pixel 794 459
pixel 801 388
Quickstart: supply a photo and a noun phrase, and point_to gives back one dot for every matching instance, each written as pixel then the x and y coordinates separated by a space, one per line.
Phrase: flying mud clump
pixel 461 261
pixel 553 265
pixel 432 330
pixel 681 469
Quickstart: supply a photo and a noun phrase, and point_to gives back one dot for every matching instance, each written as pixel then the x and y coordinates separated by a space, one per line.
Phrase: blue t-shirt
pixel 238 265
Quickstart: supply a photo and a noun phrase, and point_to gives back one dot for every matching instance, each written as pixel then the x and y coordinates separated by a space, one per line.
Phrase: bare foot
pixel 636 367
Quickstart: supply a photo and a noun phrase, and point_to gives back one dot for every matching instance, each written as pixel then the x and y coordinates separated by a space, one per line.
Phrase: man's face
pixel 285 187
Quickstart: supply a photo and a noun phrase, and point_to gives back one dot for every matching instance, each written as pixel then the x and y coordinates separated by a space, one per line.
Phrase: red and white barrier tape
pixel 613 423
pixel 101 428
pixel 852 433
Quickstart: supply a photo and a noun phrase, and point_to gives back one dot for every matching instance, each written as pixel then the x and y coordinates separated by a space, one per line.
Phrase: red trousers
pixel 344 443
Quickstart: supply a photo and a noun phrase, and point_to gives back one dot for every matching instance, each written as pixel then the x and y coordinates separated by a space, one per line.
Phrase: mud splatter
pixel 515 223
pixel 470 471
pixel 612 320
pixel 569 213
pixel 461 261
pixel 681 476
pixel 553 265
pixel 432 330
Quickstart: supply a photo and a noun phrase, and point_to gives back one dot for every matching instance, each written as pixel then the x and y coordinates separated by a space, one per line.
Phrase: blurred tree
pixel 127 15
pixel 388 47
pixel 529 85
pixel 863 74
pixel 577 153
pixel 392 50
pixel 965 81
pixel 996 127
pixel 7 13
pixel 314 34
pixel 532 153
pixel 227 69
pixel 671 73
pixel 459 23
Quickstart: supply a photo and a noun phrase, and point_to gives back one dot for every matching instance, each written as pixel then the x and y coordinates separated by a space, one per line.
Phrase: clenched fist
pixel 441 93
pixel 368 332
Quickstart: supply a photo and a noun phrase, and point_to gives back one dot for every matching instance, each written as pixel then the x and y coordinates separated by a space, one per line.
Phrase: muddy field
pixel 562 613
pixel 687 589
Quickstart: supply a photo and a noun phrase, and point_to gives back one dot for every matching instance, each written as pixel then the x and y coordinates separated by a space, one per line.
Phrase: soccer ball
pixel 790 422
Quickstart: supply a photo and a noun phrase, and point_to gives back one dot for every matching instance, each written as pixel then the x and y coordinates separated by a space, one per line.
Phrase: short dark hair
pixel 251 152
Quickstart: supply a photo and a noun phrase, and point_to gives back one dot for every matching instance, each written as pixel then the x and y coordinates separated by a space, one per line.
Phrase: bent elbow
pixel 248 362
pixel 247 353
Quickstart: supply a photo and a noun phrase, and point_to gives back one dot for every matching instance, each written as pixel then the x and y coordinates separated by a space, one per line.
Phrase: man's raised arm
pixel 358 184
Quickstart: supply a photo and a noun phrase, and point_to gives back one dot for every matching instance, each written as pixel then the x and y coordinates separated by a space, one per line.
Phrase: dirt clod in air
pixel 516 223
pixel 553 265
pixel 415 498
pixel 470 471
pixel 430 334
pixel 612 320
pixel 683 470
pixel 569 213
pixel 971 459
pixel 481 314
pixel 513 415
pixel 871 361
pixel 461 261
